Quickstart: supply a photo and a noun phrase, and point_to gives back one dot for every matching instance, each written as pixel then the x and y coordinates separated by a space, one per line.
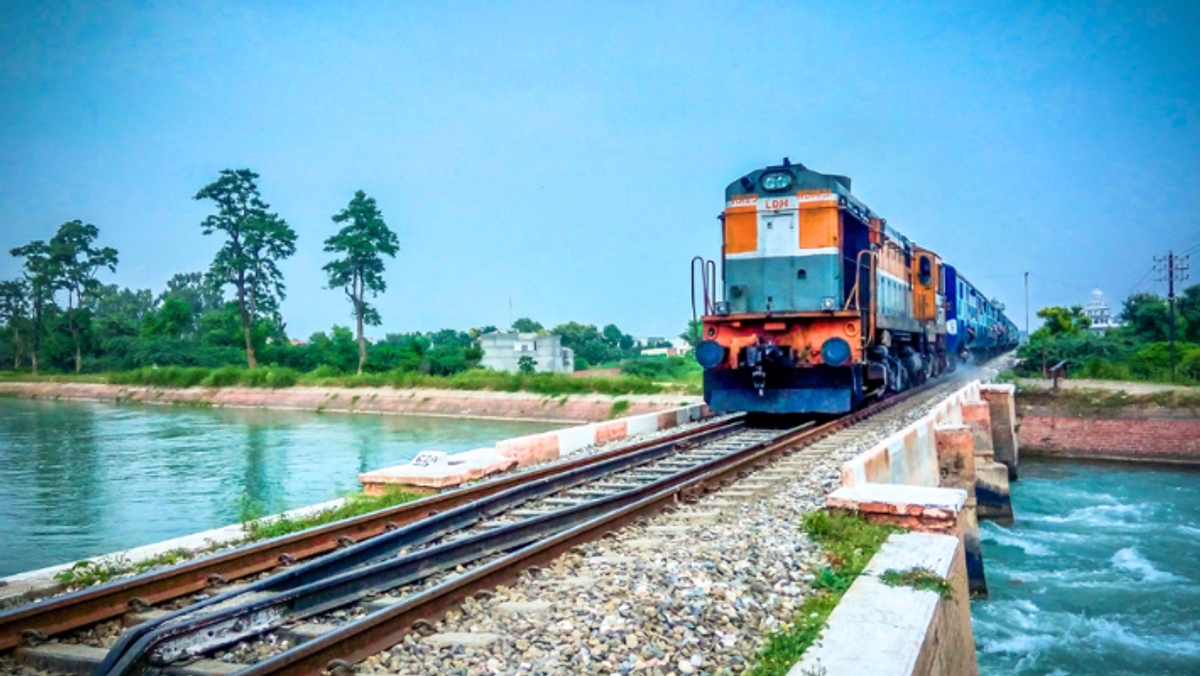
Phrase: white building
pixel 1097 310
pixel 503 350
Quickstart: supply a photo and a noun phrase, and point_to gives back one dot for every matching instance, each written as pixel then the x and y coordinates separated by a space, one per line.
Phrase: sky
pixel 564 162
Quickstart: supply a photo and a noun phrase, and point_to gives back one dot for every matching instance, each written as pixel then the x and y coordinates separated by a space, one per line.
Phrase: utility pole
pixel 1171 269
pixel 1026 306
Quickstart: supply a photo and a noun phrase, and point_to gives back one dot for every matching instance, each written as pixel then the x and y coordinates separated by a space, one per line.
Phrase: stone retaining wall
pixel 385 400
pixel 1144 437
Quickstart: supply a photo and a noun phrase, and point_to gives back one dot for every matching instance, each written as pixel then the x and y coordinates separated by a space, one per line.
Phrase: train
pixel 821 305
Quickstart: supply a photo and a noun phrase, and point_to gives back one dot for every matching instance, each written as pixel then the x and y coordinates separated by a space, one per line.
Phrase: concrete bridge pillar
pixel 991 477
pixel 956 468
pixel 1002 407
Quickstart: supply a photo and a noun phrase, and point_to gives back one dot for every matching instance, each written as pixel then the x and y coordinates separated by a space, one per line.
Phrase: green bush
pixel 226 376
pixel 326 371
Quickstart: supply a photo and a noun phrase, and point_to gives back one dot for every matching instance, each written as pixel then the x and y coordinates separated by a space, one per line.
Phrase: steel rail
pixel 96 604
pixel 341 577
pixel 339 649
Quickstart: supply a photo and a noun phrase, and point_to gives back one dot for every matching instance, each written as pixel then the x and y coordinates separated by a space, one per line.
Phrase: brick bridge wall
pixel 1151 435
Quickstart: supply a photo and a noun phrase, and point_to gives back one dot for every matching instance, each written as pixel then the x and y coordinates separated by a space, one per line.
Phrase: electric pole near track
pixel 1026 306
pixel 1171 269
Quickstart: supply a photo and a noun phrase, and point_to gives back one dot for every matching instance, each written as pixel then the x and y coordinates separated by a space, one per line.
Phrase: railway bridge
pixel 668 542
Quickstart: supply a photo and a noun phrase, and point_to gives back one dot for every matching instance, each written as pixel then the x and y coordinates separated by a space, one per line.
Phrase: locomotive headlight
pixel 710 353
pixel 779 180
pixel 835 352
pixel 827 303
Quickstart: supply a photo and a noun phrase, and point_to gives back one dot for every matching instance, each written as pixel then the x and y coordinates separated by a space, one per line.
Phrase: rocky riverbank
pixel 378 401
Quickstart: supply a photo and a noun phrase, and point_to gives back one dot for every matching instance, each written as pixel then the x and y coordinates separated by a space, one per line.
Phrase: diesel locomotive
pixel 821 304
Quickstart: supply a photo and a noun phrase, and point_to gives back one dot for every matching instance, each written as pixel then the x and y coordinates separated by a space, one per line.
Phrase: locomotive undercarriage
pixel 770 378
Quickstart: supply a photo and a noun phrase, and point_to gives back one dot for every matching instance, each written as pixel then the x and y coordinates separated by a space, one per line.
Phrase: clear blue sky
pixel 574 158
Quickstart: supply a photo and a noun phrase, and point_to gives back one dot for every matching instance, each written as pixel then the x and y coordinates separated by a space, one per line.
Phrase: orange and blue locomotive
pixel 822 304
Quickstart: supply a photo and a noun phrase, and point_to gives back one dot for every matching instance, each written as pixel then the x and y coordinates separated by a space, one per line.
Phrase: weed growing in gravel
pixel 849 543
pixel 92 572
pixel 98 571
pixel 918 578
pixel 355 504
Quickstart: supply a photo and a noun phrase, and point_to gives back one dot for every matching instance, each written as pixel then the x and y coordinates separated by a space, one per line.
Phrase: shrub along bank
pixel 549 384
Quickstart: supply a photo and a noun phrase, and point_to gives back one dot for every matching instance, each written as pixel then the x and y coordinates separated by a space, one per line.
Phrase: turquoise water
pixel 82 479
pixel 1099 575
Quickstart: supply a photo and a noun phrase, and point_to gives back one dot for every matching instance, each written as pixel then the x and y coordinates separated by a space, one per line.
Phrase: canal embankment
pixel 1116 421
pixel 480 404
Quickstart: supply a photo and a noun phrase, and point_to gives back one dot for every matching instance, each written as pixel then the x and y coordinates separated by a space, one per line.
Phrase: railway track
pixel 435 552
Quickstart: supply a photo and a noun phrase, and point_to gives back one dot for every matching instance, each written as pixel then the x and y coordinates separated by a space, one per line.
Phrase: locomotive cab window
pixel 926 271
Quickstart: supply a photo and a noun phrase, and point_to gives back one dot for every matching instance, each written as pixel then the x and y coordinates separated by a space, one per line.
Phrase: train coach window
pixel 925 273
pixel 801 274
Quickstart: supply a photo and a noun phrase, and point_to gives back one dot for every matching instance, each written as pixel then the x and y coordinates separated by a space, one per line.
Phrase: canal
pixel 1099 575
pixel 79 479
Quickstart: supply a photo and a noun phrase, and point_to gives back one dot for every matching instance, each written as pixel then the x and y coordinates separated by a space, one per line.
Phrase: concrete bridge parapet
pixel 909 632
pixel 953 446
pixel 1002 407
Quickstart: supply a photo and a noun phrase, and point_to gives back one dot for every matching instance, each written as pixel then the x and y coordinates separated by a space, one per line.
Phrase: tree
pixel 255 241
pixel 117 312
pixel 527 365
pixel 172 319
pixel 362 242
pixel 1188 307
pixel 1146 316
pixel 191 288
pixel 14 310
pixel 40 281
pixel 75 262
pixel 527 325
pixel 612 335
pixel 1061 321
pixel 693 334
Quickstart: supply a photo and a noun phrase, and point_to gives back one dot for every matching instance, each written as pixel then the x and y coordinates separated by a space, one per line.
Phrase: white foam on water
pixel 1019 643
pixel 1130 559
pixel 1100 515
pixel 1189 530
pixel 1031 633
pixel 1026 545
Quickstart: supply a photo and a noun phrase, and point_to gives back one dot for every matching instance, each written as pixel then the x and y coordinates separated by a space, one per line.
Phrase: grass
pixel 257 527
pixel 849 543
pixel 355 504
pixel 1081 401
pixel 918 578
pixel 97 571
pixel 619 406
pixel 275 377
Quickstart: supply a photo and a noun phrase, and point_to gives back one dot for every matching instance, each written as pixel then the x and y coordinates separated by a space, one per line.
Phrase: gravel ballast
pixel 694 591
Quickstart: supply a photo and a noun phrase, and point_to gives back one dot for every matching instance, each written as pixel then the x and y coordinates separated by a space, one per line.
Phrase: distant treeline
pixel 59 317
pixel 1138 350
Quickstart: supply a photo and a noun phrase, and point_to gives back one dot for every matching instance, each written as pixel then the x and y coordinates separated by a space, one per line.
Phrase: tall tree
pixel 362 243
pixel 256 240
pixel 75 261
pixel 527 325
pixel 40 279
pixel 14 310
